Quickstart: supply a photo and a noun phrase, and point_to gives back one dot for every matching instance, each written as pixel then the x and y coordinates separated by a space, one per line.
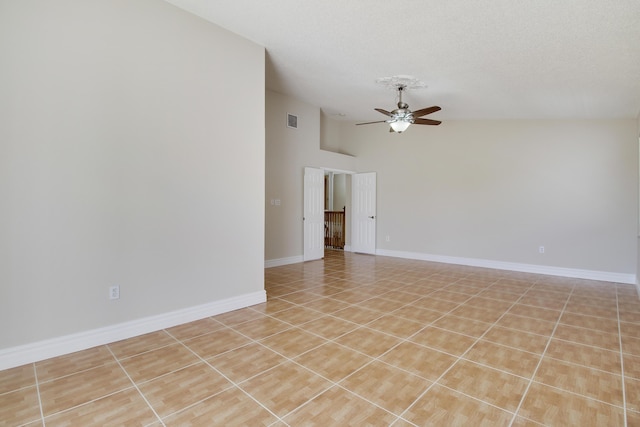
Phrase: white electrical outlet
pixel 114 292
pixel 388 238
pixel 541 249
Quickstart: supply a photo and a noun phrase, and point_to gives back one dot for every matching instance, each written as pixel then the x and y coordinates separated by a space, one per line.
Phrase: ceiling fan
pixel 400 118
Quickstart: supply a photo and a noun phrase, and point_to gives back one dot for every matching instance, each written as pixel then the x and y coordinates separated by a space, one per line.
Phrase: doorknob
pixel 372 217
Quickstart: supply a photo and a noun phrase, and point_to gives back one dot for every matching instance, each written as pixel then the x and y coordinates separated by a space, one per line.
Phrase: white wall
pixel 497 190
pixel 123 161
pixel 288 151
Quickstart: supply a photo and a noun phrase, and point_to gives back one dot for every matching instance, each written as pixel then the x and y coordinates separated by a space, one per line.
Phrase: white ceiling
pixel 480 60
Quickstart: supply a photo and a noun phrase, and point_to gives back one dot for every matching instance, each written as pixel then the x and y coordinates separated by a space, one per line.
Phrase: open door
pixel 313 214
pixel 363 224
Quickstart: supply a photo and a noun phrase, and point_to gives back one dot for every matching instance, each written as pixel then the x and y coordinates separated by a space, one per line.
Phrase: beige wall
pixel 124 161
pixel 288 151
pixel 329 134
pixel 339 191
pixel 638 260
pixel 497 190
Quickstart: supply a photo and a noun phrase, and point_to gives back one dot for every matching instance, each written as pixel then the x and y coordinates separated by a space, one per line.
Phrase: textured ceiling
pixel 495 59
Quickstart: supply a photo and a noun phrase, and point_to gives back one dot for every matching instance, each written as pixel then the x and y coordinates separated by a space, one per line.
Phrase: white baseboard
pixel 29 353
pixel 512 266
pixel 283 261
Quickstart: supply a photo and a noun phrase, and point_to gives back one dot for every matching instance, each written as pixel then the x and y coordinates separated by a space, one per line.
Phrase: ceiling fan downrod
pixel 401 104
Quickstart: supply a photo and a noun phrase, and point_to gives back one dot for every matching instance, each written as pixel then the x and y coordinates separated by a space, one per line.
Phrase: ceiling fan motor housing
pixel 401 114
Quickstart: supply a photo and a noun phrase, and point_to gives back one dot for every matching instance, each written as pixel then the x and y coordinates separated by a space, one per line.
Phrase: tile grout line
pixel 581 365
pixel 334 383
pixel 35 374
pixel 90 401
pixel 287 358
pixel 382 314
pixel 494 324
pixel 561 312
pixel 575 393
pixel 81 371
pixel 551 386
pixel 136 354
pixel 478 294
pixel 624 395
pixel 233 383
pixel 535 371
pixel 459 304
pixel 430 324
pixel 461 356
pixel 458 358
pixel 136 387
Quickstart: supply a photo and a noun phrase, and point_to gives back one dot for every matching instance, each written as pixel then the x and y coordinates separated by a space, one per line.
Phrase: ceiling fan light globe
pixel 399 126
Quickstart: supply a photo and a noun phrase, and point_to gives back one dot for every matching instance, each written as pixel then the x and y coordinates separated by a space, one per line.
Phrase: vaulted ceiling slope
pixel 480 60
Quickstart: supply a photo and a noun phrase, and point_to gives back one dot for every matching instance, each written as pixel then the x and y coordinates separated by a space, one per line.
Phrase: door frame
pixel 349 231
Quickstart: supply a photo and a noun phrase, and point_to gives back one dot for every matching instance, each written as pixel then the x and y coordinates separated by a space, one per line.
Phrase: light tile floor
pixel 362 340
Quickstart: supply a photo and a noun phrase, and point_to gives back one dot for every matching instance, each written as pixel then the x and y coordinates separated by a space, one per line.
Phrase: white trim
pixel 33 352
pixel 512 266
pixel 283 261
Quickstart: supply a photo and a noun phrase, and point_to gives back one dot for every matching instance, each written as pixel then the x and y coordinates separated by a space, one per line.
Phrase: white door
pixel 313 215
pixel 363 225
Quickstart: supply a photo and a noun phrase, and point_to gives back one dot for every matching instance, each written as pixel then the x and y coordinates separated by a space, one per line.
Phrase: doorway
pixel 335 206
pixel 338 190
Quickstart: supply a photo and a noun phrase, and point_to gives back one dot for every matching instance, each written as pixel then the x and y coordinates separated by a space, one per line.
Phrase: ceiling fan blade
pixel 368 123
pixel 425 111
pixel 385 112
pixel 426 122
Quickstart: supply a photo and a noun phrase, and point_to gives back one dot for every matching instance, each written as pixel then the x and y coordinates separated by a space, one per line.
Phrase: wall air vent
pixel 292 121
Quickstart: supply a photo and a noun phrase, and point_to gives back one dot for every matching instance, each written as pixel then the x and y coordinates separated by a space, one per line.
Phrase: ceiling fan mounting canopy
pixel 402 117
